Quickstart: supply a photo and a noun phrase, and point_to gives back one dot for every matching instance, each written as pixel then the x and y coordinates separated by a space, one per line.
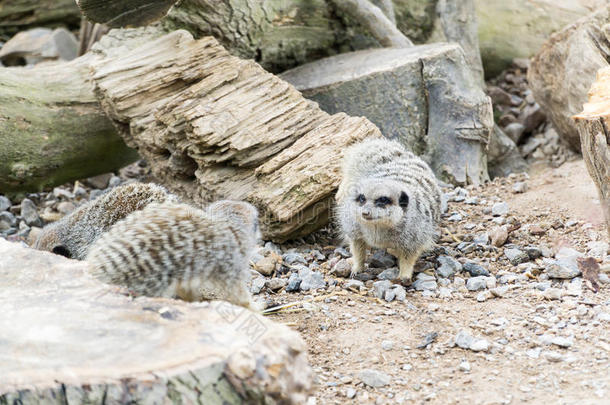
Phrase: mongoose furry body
pixel 73 235
pixel 175 250
pixel 388 198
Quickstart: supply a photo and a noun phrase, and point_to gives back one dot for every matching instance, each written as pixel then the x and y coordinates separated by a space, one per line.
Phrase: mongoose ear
pixel 62 251
pixel 403 200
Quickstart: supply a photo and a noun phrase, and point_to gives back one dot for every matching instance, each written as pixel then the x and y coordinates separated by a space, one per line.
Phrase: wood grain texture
pixel 594 128
pixel 215 126
pixel 67 338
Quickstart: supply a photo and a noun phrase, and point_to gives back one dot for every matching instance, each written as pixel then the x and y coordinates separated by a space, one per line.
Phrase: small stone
pixel 382 260
pixel 350 393
pixel 79 191
pixel 558 270
pixel 389 295
pixel 257 285
pixel 499 291
pixel 562 341
pixel 59 192
pixel 387 345
pixel 479 345
pixel 475 269
pixel 455 218
pixel 514 131
pixel 95 194
pixel 293 258
pixel 5 203
pixel 516 256
pixel 498 95
pixel 448 266
pixel 425 282
pixel 7 221
pixel 553 357
pixel 520 187
pixel 66 207
pixel 464 366
pixel 353 284
pixel 499 235
pixel 484 296
pixel 476 283
pixel 29 213
pixel 552 294
pixel 294 282
pixel 464 340
pixel 481 238
pixel 374 378
pixel 388 274
pixel 342 268
pixel 276 283
pixel 533 252
pixel 400 292
pixel 532 116
pixel 466 247
pixel 380 288
pixel 311 280
pixel 266 266
pixel 499 209
pixel 536 230
pixel 114 181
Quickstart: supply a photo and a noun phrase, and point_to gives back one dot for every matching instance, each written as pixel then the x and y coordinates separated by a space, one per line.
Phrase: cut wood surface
pixel 594 128
pixel 214 126
pixel 67 338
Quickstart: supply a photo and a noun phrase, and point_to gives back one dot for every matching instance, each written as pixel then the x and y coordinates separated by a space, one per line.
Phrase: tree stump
pixel 213 126
pixel 67 338
pixel 593 126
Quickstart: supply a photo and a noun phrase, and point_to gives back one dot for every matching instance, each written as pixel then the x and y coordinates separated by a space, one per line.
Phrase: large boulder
pixel 563 71
pixel 68 338
pixel 424 96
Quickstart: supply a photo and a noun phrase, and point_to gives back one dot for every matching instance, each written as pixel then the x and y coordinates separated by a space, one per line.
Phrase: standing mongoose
pixel 175 250
pixel 388 198
pixel 73 235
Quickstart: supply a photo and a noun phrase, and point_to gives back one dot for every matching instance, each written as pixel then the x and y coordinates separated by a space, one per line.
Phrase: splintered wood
pixel 214 126
pixel 594 129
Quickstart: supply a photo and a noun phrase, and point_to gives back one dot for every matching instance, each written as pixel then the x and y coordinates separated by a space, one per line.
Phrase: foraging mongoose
pixel 175 250
pixel 73 235
pixel 388 198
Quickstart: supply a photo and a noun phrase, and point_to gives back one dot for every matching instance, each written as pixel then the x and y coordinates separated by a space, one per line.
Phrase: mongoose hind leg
pixel 358 249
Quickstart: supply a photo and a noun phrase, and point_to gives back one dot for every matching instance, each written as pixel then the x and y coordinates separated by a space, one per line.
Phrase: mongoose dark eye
pixel 62 251
pixel 383 201
pixel 361 199
pixel 403 201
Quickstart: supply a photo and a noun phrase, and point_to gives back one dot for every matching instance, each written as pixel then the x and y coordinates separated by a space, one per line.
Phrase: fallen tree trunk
pixel 18 15
pixel 52 128
pixel 593 126
pixel 68 338
pixel 214 126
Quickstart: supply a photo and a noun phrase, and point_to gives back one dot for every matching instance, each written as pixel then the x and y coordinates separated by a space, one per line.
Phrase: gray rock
pixel 532 116
pixel 562 341
pixel 499 291
pixel 381 287
pixel 561 269
pixel 514 131
pixel 39 44
pixel 504 156
pixel 414 89
pixel 276 283
pixel 466 247
pixel 7 221
pixel 294 282
pixel 5 203
pixel 293 258
pixel 350 393
pixel 100 181
pixel 66 207
pixel 464 340
pixel 342 252
pixel 516 256
pixel 374 378
pixel 425 282
pixel 342 268
pixel 311 280
pixel 533 252
pixel 553 357
pixel 114 181
pixel 499 209
pixel 389 295
pixel 475 269
pixel 382 260
pixel 357 284
pixel 476 283
pixel 95 194
pixel 389 274
pixel 400 293
pixel 29 213
pixel 387 344
pixel 455 217
pixel 520 187
pixel 464 366
pixel 59 192
pixel 498 95
pixel 257 285
pixel 481 239
pixel 448 266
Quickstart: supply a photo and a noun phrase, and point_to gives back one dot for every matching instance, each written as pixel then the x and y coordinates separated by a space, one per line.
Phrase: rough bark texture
pixel 593 125
pixel 563 71
pixel 52 128
pixel 120 13
pixel 425 96
pixel 17 15
pixel 374 21
pixel 67 338
pixel 214 126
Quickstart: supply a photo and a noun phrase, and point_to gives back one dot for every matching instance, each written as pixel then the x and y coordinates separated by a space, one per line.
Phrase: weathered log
pixel 593 124
pixel 68 338
pixel 120 13
pixel 563 71
pixel 52 128
pixel 17 15
pixel 424 96
pixel 214 126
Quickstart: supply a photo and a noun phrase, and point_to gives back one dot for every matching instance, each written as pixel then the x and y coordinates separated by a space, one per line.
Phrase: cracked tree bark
pixel 594 128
